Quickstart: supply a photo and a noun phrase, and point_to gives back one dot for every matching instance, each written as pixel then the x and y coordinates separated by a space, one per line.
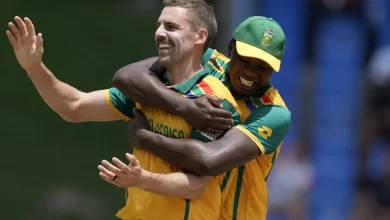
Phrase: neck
pixel 184 69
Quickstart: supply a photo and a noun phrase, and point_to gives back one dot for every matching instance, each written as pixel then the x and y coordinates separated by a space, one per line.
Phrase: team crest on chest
pixel 267 37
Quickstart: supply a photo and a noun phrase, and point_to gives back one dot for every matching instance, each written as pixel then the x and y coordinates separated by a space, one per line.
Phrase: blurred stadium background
pixel 335 78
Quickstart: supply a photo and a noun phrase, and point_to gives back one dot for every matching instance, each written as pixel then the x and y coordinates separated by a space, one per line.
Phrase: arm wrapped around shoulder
pixel 134 79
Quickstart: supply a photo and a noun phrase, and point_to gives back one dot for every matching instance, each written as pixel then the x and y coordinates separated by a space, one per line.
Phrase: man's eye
pixel 243 60
pixel 170 27
pixel 261 68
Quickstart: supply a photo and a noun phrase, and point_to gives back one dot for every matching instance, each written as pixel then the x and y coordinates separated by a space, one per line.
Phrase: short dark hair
pixel 200 14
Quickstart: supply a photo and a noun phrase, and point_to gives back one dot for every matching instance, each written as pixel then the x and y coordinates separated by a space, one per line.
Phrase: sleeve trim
pixel 112 107
pixel 251 136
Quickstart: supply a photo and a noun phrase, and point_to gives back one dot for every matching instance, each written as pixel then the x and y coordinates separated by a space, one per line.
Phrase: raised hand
pixel 122 175
pixel 28 46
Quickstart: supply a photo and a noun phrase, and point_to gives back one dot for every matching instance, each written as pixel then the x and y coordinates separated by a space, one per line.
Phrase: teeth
pixel 246 82
pixel 164 46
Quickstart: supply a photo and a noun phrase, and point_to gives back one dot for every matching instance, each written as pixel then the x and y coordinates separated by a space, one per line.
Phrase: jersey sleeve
pixel 207 137
pixel 217 63
pixel 206 56
pixel 119 103
pixel 267 126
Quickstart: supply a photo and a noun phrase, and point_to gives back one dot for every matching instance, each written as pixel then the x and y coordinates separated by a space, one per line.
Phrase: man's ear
pixel 202 36
pixel 230 48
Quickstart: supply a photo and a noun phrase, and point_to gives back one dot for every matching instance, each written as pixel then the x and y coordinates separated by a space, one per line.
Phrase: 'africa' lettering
pixel 165 130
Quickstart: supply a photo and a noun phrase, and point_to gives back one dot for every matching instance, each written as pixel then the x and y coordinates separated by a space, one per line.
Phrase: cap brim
pixel 247 50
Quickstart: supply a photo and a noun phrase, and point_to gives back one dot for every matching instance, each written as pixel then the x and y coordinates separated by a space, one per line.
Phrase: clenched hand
pixel 206 114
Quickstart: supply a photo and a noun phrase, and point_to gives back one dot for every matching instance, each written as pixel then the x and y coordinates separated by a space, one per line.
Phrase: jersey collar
pixel 186 86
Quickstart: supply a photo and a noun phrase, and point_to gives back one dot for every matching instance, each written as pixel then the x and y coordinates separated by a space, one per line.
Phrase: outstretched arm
pixel 176 184
pixel 141 82
pixel 71 104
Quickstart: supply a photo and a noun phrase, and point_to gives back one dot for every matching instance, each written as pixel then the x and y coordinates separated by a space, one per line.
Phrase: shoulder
pixel 269 98
pixel 216 86
pixel 216 62
pixel 271 115
pixel 213 86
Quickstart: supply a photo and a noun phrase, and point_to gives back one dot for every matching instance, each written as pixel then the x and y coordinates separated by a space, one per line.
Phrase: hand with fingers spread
pixel 122 175
pixel 176 184
pixel 28 46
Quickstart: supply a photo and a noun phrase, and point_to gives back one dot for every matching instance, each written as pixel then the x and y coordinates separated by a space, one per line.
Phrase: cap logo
pixel 267 37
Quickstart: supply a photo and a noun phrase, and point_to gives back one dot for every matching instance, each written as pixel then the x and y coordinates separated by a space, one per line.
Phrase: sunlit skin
pixel 174 36
pixel 254 71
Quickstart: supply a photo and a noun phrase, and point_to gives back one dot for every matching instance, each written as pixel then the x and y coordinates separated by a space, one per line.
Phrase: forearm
pixel 206 159
pixel 59 96
pixel 141 83
pixel 186 154
pixel 175 184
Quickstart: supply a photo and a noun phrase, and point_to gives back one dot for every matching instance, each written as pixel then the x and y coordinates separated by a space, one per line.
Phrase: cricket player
pixel 185 29
pixel 248 151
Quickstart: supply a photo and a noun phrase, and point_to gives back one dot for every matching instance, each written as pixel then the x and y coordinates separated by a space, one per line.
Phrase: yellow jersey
pixel 266 121
pixel 144 205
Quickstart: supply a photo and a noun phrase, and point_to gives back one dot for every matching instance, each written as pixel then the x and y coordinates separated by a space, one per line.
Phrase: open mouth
pixel 246 83
pixel 164 46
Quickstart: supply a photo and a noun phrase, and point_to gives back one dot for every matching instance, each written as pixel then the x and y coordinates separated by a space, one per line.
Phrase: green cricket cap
pixel 261 38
